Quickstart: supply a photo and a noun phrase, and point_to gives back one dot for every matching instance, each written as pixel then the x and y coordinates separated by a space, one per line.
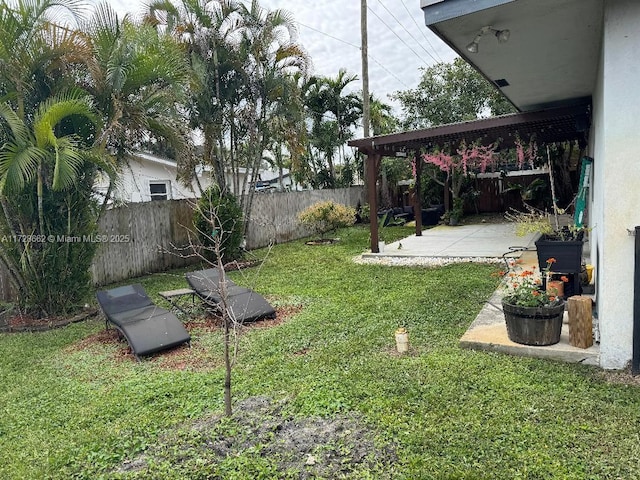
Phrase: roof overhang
pixel 544 126
pixel 550 58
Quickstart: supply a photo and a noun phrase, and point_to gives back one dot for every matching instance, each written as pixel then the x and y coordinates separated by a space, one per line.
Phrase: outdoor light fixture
pixel 501 35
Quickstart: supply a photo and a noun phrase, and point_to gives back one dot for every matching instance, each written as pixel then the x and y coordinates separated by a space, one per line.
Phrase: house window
pixel 160 190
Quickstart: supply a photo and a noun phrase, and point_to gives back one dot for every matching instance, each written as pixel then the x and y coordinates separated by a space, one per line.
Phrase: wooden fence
pixel 150 237
pixel 494 194
pixel 141 238
pixel 274 216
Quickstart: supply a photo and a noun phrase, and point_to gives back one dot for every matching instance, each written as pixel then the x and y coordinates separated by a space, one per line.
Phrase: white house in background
pixel 561 52
pixel 270 181
pixel 149 177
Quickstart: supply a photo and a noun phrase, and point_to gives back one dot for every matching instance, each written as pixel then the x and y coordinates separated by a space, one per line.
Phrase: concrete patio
pixel 488 242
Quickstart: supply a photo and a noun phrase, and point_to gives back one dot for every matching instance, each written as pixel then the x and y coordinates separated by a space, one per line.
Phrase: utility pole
pixel 366 121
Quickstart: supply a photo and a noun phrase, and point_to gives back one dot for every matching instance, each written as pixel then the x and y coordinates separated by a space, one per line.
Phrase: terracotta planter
pixel 536 326
pixel 555 287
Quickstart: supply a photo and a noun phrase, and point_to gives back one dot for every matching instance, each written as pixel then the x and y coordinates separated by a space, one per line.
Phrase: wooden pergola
pixel 546 126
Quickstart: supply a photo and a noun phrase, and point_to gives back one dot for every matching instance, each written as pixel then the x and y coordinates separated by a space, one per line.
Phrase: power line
pixel 422 29
pixel 328 35
pixel 398 36
pixel 389 72
pixel 358 47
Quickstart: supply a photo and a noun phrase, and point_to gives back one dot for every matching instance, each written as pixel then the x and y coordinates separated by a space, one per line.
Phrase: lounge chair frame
pixel 146 327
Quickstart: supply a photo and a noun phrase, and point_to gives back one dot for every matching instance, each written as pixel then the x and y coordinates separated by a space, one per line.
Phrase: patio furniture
pixel 244 304
pixel 146 327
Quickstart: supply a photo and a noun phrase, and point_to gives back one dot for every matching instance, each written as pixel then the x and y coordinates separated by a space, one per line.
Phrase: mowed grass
pixel 76 409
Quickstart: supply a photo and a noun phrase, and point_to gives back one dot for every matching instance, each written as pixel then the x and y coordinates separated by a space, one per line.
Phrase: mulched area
pixel 195 357
pixel 20 322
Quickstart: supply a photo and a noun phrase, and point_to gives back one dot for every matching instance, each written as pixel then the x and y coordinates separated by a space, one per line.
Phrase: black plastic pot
pixel 568 256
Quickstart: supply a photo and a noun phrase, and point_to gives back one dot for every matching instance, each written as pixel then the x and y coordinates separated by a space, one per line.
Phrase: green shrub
pixel 54 270
pixel 327 216
pixel 219 214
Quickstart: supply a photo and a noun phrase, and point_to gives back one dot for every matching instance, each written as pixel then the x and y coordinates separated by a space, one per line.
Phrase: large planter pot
pixel 536 326
pixel 568 254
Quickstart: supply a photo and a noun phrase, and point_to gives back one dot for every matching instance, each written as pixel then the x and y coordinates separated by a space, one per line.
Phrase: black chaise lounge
pixel 245 304
pixel 147 327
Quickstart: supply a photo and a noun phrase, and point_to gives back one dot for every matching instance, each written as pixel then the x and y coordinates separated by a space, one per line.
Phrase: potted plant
pixel 533 316
pixel 562 243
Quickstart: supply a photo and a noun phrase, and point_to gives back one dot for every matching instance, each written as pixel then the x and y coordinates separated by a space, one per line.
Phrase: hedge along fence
pixel 141 238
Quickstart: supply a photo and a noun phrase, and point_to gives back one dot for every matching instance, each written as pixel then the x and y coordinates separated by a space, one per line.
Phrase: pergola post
pixel 373 164
pixel 417 205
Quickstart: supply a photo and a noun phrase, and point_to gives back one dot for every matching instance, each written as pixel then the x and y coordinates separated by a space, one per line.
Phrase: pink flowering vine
pixel 526 153
pixel 472 158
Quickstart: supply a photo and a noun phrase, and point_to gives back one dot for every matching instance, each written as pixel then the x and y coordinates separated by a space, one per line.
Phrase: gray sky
pixel 399 43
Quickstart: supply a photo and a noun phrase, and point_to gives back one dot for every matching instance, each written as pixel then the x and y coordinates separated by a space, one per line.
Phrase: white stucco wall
pixel 616 185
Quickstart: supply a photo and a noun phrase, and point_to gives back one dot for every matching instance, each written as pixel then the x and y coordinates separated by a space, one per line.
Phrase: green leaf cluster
pixel 218 221
pixel 323 217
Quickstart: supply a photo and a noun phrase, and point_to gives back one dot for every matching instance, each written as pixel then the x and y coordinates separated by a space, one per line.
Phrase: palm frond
pixel 69 160
pixel 19 130
pixel 18 166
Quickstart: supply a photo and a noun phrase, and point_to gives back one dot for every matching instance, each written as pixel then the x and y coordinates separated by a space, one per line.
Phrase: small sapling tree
pixel 215 238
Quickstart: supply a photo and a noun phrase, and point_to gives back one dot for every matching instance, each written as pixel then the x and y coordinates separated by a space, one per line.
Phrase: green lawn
pixel 74 410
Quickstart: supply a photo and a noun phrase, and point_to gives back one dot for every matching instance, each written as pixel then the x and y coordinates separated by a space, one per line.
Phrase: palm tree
pixel 287 129
pixel 382 119
pixel 45 169
pixel 272 58
pixel 32 152
pixel 66 96
pixel 42 152
pixel 34 50
pixel 138 78
pixel 241 61
pixel 333 114
pixel 208 31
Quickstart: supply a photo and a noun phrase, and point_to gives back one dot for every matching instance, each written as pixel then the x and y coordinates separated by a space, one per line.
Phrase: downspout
pixel 635 362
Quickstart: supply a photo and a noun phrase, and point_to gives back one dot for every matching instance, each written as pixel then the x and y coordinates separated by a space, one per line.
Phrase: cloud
pixel 398 42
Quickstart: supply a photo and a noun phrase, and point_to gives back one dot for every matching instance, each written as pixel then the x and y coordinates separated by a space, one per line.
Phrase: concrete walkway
pixel 486 242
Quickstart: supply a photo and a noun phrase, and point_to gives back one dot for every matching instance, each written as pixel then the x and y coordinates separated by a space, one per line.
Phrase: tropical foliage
pixel 449 93
pixel 79 95
pixel 75 98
